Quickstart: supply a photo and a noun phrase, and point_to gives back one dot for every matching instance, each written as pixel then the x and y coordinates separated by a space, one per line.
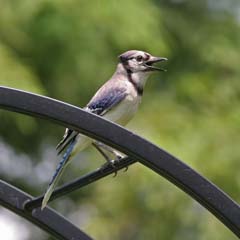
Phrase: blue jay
pixel 117 100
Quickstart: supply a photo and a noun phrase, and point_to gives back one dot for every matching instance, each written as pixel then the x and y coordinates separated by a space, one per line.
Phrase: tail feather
pixel 58 173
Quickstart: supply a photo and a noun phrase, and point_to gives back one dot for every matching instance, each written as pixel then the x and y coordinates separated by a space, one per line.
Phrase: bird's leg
pixel 118 156
pixel 107 158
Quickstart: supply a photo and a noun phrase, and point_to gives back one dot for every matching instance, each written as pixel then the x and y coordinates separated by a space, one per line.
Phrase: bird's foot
pixel 120 157
pixel 113 163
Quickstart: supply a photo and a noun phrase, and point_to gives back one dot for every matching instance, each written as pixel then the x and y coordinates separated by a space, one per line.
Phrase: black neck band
pixel 129 75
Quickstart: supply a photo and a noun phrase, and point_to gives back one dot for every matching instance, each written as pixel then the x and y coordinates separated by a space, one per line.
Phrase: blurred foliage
pixel 67 49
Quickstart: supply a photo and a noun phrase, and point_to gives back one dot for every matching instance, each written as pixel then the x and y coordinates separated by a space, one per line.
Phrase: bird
pixel 117 100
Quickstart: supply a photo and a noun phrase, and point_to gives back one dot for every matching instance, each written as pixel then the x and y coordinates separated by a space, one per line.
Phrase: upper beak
pixel 153 60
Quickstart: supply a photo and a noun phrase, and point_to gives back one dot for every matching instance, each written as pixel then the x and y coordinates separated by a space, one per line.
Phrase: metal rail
pixel 81 182
pixel 153 157
pixel 48 220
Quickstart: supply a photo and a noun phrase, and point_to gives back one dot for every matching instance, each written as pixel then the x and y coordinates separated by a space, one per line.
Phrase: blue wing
pixel 105 100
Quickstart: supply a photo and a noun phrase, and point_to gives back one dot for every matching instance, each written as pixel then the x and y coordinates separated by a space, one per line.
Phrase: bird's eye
pixel 139 58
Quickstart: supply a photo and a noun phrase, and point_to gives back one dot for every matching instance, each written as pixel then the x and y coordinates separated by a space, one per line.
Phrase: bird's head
pixel 136 61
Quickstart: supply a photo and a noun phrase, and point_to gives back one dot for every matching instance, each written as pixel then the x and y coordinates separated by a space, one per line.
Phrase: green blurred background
pixel 66 49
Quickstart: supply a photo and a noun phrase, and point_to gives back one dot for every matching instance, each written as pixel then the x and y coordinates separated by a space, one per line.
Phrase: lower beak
pixel 153 60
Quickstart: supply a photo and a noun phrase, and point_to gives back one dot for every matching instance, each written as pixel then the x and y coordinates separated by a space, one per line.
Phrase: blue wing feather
pixel 106 100
pixel 59 170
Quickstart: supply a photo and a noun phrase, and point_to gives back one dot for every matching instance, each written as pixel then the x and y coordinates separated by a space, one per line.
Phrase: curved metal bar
pixel 177 172
pixel 48 220
pixel 81 182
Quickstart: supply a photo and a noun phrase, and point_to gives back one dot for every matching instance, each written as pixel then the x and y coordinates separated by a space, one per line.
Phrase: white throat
pixel 140 78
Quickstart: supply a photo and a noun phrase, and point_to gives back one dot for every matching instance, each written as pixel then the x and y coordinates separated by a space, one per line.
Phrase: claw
pixel 119 157
pixel 125 169
pixel 113 164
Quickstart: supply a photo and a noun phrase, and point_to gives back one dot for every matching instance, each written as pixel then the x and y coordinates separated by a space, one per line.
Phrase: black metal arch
pixel 49 220
pixel 137 148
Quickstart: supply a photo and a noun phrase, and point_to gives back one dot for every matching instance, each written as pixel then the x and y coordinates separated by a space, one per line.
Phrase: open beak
pixel 151 61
